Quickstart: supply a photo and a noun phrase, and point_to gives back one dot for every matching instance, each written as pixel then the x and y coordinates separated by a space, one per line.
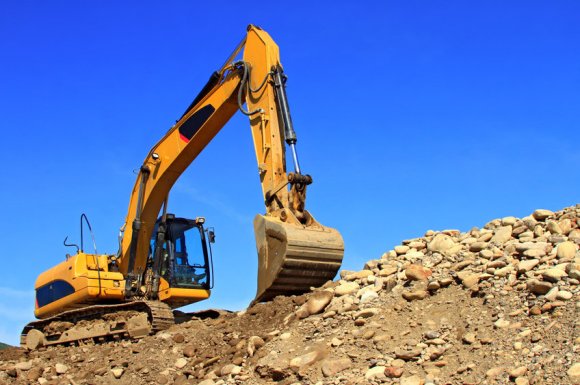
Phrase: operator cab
pixel 185 255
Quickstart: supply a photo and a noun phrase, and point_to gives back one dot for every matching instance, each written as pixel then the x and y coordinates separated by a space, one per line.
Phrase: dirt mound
pixel 495 305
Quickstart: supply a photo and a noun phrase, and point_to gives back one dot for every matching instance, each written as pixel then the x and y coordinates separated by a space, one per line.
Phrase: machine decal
pixel 194 123
pixel 53 291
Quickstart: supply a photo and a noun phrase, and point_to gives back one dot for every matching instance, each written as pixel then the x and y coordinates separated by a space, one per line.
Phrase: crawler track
pixel 98 323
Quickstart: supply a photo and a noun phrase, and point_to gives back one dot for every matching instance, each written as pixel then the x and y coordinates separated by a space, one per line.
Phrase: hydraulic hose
pixel 243 84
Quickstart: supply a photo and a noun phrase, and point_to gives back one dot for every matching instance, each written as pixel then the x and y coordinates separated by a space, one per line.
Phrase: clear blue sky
pixel 411 115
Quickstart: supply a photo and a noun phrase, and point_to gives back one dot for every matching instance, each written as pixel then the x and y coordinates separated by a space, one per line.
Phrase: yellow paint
pixel 80 272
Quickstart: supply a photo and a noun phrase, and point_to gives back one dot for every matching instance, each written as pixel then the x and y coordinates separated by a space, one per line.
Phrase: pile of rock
pixel 530 265
pixel 498 304
pixel 537 254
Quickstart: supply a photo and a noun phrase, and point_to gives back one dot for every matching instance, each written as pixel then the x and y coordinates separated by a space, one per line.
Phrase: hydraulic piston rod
pixel 284 109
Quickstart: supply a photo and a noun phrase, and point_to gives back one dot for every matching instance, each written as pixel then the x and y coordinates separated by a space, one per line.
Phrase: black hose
pixel 83 215
pixel 244 84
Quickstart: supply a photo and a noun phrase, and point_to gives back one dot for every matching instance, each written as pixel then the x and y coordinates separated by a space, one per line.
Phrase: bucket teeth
pixel 293 258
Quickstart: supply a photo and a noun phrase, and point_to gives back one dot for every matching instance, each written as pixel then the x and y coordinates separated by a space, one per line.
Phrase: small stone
pixel 366 313
pixel 574 373
pixel 564 295
pixel 486 340
pixel 346 288
pixel 180 363
pixel 189 351
pixel 494 372
pixel 471 280
pixel 527 265
pixel 306 359
pixel 509 221
pixel 518 372
pixel 433 286
pixel 230 369
pixel 504 272
pixel 444 282
pixel 318 301
pixel 432 334
pixel 415 295
pixel 414 255
pixel 335 342
pixel 387 271
pixel 285 336
pixel 553 227
pixel 179 338
pixel 398 363
pixel 566 250
pixel 538 287
pixel 117 372
pixel 358 275
pixel 487 254
pixel 534 253
pixel 61 369
pixel 469 338
pixel 302 312
pixel 163 336
pixel 393 371
pixel 377 372
pixel 415 272
pixel 502 235
pixel 407 354
pixel 255 342
pixel 441 243
pixel 542 214
pixel 35 373
pixel 535 337
pixel 522 381
pixel 538 231
pixel 368 296
pixel 565 225
pixel 501 323
pixel 477 246
pixel 552 294
pixel 26 365
pixel 554 274
pixel 401 249
pixel 331 367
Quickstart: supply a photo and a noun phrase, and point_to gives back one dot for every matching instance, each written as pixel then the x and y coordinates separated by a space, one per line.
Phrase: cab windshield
pixel 184 262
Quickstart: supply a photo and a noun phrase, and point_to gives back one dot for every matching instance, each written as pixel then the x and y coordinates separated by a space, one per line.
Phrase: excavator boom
pixel 295 252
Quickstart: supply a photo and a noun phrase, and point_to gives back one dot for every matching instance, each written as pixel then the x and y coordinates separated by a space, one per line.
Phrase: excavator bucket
pixel 293 258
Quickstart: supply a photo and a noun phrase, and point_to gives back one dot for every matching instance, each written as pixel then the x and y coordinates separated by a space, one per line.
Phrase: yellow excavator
pixel 164 262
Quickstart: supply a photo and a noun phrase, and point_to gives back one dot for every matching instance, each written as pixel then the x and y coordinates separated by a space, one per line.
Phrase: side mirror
pixel 211 236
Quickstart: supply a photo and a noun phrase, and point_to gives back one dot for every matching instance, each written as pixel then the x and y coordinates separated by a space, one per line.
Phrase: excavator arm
pixel 295 252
